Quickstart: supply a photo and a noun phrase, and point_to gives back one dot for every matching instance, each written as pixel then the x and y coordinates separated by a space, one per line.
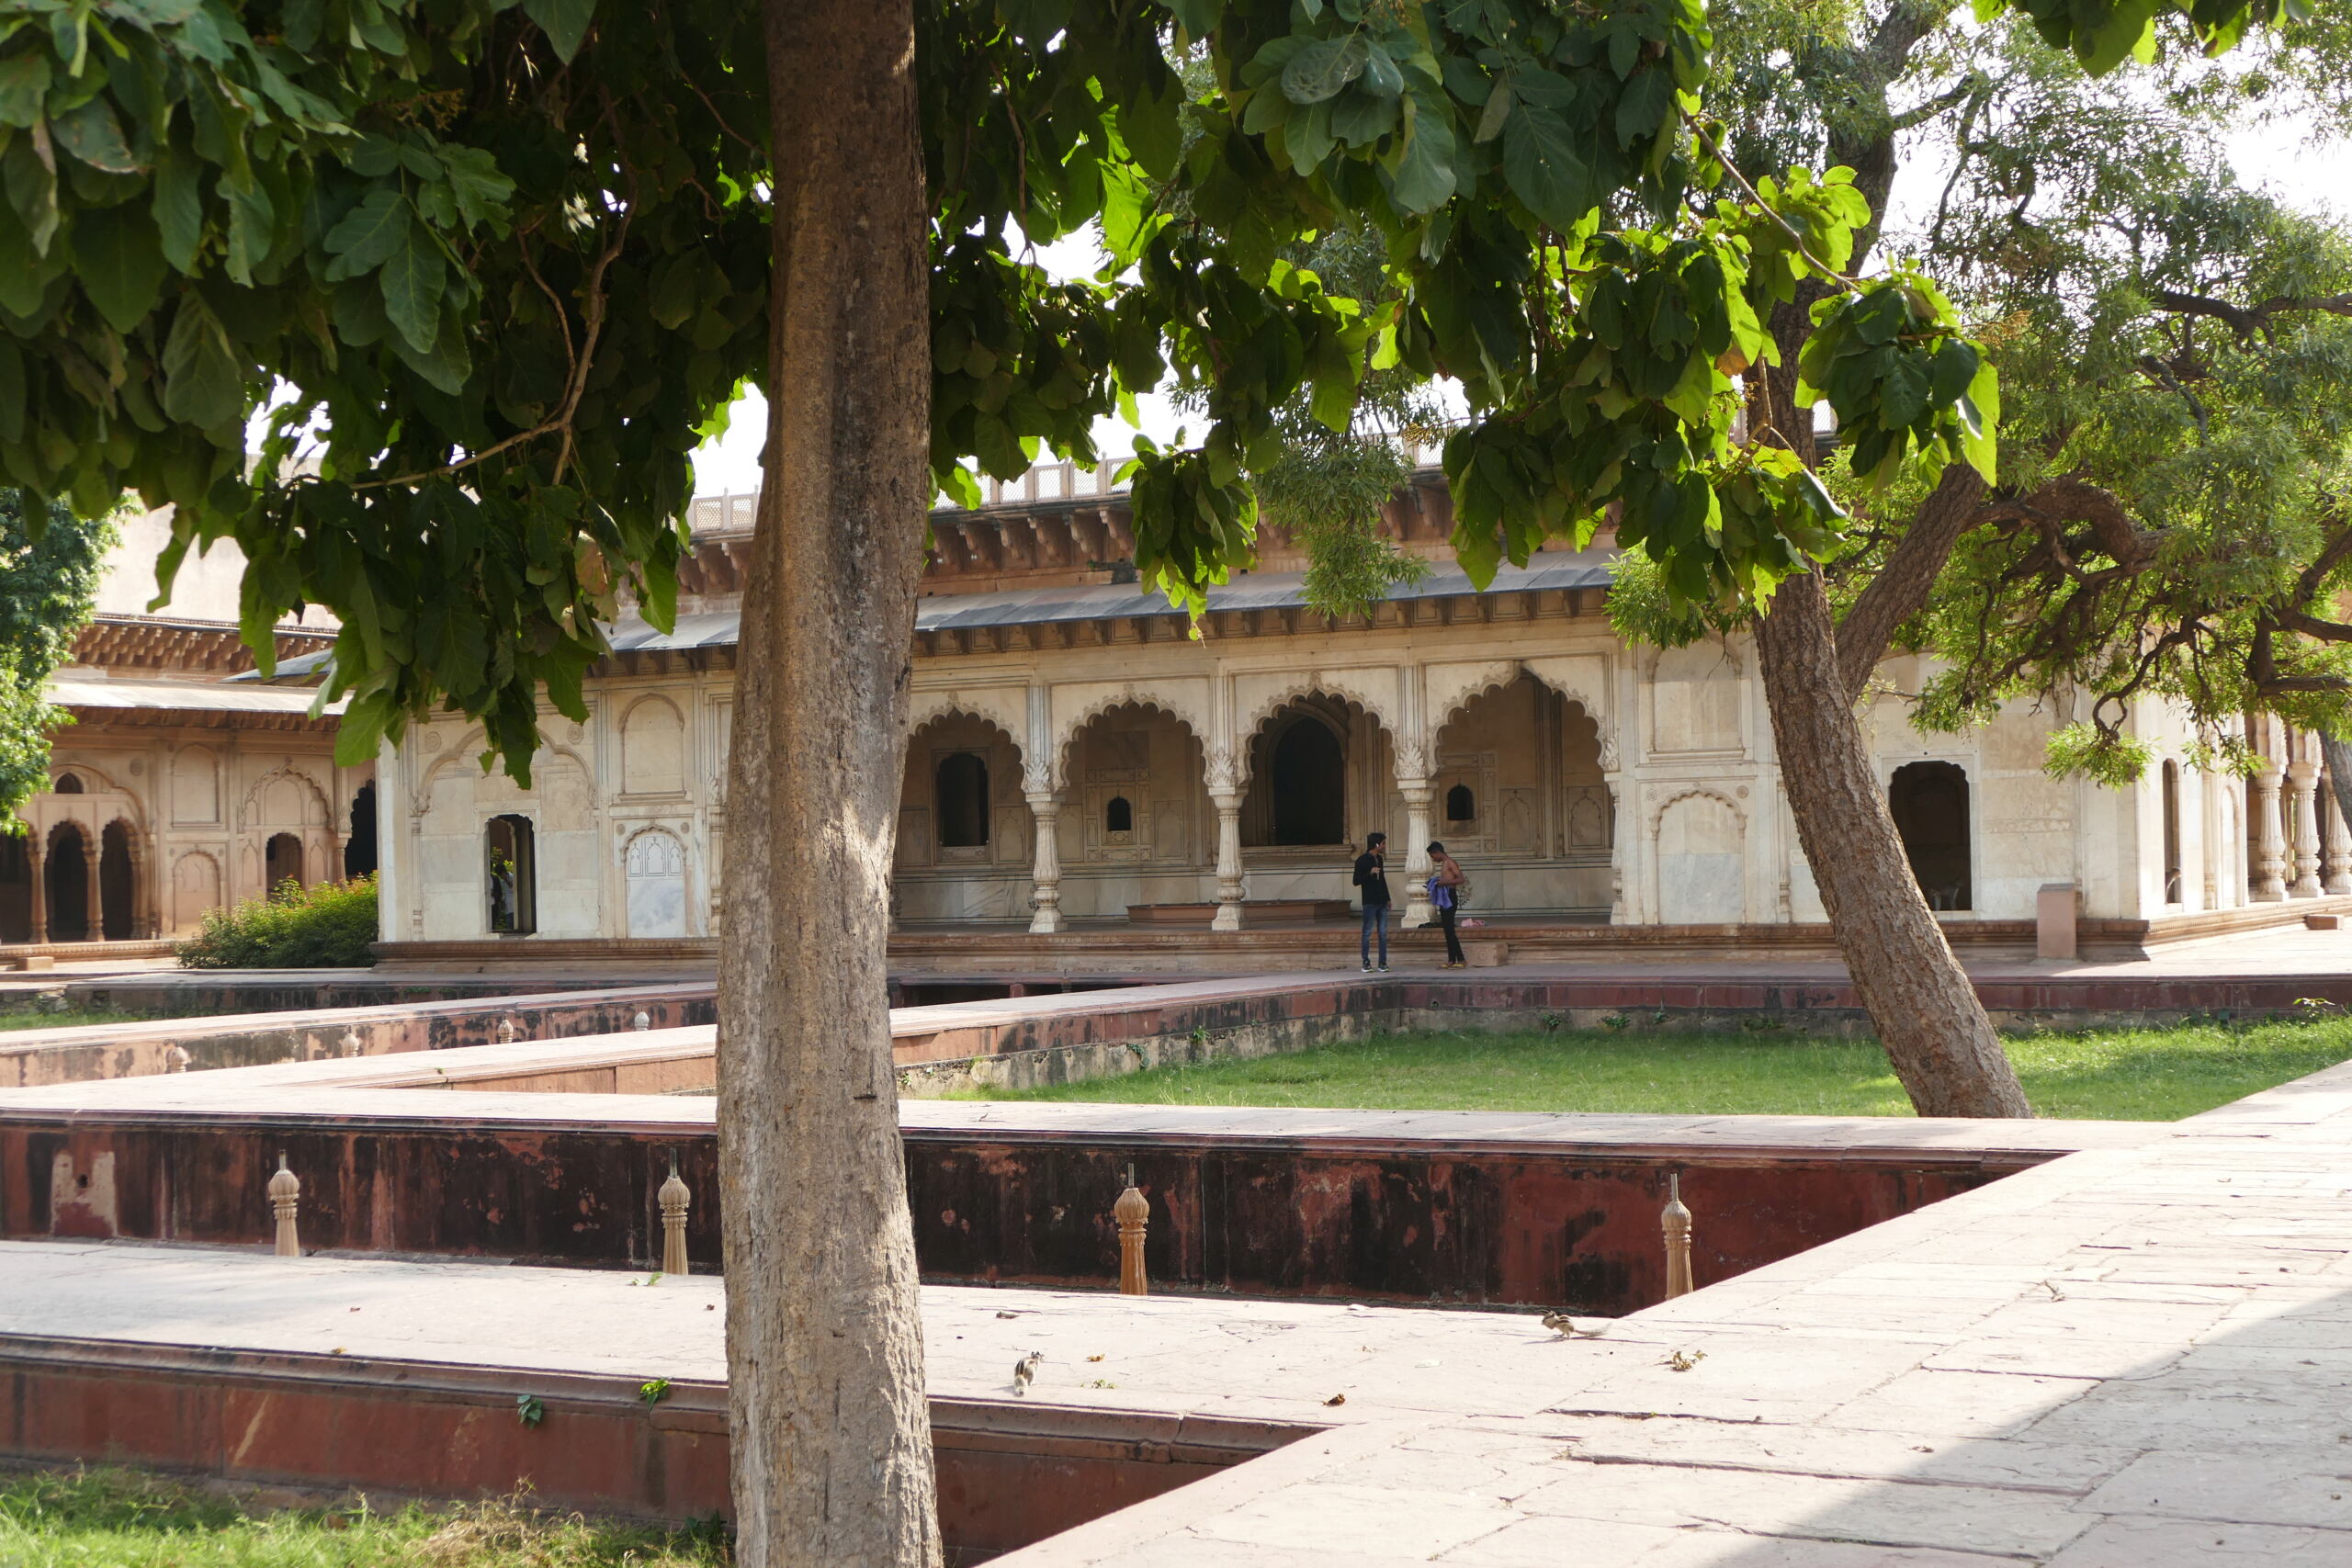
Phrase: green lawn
pixel 117 1518
pixel 2122 1074
pixel 66 1020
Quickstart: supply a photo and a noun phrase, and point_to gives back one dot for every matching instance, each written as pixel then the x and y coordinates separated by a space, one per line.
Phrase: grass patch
pixel 121 1518
pixel 65 1017
pixel 2147 1075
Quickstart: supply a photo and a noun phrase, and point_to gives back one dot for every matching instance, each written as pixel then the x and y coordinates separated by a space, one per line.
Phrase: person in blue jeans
pixel 1372 877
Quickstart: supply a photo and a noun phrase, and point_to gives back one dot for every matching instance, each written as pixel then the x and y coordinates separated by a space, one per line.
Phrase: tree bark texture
pixel 1918 997
pixel 831 1458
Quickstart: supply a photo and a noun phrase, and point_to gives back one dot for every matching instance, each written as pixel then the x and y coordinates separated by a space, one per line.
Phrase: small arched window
pixel 1461 805
pixel 1119 817
pixel 282 862
pixel 69 783
pixel 963 782
pixel 511 875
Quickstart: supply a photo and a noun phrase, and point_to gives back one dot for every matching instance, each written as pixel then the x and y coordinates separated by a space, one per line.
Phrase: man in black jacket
pixel 1372 876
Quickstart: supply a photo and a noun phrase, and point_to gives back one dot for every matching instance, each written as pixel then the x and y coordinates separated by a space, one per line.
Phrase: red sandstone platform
pixel 2128 1358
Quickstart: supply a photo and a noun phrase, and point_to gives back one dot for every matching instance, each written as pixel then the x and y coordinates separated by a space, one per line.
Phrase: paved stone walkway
pixel 2130 1358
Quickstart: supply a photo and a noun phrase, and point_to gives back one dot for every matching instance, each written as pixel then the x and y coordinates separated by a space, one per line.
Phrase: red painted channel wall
pixel 1431 1220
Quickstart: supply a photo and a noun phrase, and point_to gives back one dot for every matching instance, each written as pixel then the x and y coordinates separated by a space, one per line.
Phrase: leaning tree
pixel 489 268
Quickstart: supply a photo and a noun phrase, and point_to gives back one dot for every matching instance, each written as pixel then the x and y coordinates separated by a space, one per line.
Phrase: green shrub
pixel 327 926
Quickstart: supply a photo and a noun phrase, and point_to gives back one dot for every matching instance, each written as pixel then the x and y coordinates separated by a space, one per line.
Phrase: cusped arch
pixel 1450 689
pixel 467 751
pixel 1312 683
pixel 1583 678
pixel 98 781
pixel 1100 703
pixel 1695 792
pixel 306 786
pixel 1007 709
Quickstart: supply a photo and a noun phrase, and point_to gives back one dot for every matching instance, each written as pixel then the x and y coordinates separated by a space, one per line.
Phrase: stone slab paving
pixel 2130 1358
pixel 2125 1359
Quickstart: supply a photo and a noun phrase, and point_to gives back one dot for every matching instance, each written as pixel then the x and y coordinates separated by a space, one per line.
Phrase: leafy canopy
pixel 498 265
pixel 51 577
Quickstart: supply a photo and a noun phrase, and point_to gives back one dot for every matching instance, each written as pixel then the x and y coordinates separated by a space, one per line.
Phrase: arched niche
pixel 653 748
pixel 65 876
pixel 118 882
pixel 196 788
pixel 960 798
pixel 196 889
pixel 654 866
pixel 1134 781
pixel 1701 844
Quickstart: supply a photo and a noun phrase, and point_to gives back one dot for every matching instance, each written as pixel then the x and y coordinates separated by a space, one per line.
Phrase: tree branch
pixel 1903 584
pixel 2251 321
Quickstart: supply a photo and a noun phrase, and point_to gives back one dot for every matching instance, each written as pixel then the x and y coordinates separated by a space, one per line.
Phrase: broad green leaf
pixel 1979 410
pixel 368 234
pixel 1647 104
pixel 1540 165
pixel 414 281
pixel 1323 67
pixel 1498 109
pixel 481 190
pixel 119 262
pixel 203 379
pixel 177 205
pixel 92 135
pixel 1359 118
pixel 564 21
pixel 23 79
pixel 1423 177
pixel 1903 395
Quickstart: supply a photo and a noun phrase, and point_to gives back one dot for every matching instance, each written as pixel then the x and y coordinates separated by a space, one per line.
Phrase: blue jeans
pixel 1375 918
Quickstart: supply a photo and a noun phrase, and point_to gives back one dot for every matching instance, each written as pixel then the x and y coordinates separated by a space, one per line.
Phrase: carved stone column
pixel 1046 899
pixel 2338 841
pixel 1416 790
pixel 2303 776
pixel 34 844
pixel 94 922
pixel 2269 845
pixel 1224 794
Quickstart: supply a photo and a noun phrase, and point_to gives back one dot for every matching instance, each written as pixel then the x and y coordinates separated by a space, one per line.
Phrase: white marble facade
pixel 1573 776
pixel 1072 754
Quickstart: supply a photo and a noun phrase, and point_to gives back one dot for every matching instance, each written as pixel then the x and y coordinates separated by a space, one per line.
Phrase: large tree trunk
pixel 831 1439
pixel 1918 997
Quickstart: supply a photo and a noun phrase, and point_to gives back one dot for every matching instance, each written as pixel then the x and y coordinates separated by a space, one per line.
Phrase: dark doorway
pixel 1461 805
pixel 360 850
pixel 1119 815
pixel 282 861
pixel 509 850
pixel 118 883
pixel 16 889
pixel 1930 803
pixel 67 883
pixel 1310 785
pixel 963 801
pixel 68 783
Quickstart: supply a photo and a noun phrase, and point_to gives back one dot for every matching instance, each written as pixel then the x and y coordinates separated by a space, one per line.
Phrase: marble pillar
pixel 2302 779
pixel 2270 847
pixel 1417 793
pixel 1046 899
pixel 1232 891
pixel 2336 864
pixel 34 859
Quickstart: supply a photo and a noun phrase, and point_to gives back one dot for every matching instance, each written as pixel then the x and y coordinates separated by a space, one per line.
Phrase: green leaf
pixel 564 21
pixel 1540 167
pixel 178 206
pixel 1954 368
pixel 414 280
pixel 24 81
pixel 203 379
pixel 1422 179
pixel 1499 101
pixel 1980 434
pixel 482 191
pixel 92 135
pixel 1323 67
pixel 1647 104
pixel 120 263
pixel 1903 395
pixel 368 234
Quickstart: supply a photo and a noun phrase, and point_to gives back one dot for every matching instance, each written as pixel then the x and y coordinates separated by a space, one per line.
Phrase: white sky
pixel 2276 157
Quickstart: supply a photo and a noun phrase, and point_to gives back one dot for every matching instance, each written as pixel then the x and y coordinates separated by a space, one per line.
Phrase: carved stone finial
pixel 351 1045
pixel 1133 1212
pixel 643 1021
pixel 176 1058
pixel 285 1201
pixel 675 1197
pixel 1675 1219
pixel 505 1032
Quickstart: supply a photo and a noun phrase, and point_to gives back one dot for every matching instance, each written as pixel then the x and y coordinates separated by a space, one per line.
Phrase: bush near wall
pixel 327 926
